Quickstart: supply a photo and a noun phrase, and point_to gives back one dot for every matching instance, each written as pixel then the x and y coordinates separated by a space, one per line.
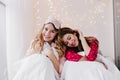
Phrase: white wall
pixel 92 17
pixel 19 29
pixel 25 17
pixel 3 59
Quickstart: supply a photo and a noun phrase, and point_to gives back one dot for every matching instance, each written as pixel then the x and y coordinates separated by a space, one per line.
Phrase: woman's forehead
pixel 49 26
pixel 66 36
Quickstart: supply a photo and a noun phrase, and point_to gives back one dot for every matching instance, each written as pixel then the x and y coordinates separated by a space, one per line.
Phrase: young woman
pixel 42 62
pixel 81 53
pixel 78 43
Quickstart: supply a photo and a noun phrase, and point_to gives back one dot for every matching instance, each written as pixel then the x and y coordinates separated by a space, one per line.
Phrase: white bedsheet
pixel 35 67
pixel 87 70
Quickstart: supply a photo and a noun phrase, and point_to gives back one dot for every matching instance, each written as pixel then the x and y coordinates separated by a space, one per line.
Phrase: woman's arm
pixel 62 61
pixel 49 53
pixel 84 43
pixel 90 46
pixel 93 49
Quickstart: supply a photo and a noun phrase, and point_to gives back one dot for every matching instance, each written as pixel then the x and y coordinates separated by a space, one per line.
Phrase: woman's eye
pixel 53 31
pixel 69 38
pixel 46 29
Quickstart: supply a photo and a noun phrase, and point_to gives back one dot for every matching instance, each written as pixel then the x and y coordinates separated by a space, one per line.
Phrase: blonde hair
pixel 60 47
pixel 38 42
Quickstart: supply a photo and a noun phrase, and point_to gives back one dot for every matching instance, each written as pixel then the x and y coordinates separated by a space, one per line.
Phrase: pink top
pixel 72 55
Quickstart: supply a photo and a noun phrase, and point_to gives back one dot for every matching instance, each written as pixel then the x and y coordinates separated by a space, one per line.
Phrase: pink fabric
pixel 94 50
pixel 71 55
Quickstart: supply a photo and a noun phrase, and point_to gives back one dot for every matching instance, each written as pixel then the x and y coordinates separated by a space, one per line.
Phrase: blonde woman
pixel 42 61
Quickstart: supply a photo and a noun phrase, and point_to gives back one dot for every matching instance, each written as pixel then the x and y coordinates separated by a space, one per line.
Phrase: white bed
pixel 35 67
pixel 87 70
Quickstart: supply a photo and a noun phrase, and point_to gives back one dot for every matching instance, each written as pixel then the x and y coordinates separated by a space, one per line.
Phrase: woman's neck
pixel 50 43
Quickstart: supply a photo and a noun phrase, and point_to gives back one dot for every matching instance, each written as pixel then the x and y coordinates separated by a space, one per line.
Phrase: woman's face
pixel 49 33
pixel 70 40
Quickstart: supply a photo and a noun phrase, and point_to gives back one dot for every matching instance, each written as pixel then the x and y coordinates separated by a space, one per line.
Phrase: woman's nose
pixel 71 42
pixel 47 33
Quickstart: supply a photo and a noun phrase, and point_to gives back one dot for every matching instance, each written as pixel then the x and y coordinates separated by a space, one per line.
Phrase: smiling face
pixel 49 33
pixel 70 40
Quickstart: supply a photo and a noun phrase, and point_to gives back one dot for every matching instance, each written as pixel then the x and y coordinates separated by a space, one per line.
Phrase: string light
pixel 71 13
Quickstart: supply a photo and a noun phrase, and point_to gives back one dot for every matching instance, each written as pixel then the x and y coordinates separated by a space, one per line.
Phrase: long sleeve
pixel 93 51
pixel 71 55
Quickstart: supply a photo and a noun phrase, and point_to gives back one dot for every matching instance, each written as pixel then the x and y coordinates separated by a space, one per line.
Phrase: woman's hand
pixel 48 52
pixel 81 36
pixel 84 43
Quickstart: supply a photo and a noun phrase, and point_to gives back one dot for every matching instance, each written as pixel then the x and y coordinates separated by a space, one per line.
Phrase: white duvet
pixel 39 67
pixel 87 70
pixel 34 67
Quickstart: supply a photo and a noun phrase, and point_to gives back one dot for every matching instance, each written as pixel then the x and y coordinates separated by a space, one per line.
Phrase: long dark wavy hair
pixel 66 30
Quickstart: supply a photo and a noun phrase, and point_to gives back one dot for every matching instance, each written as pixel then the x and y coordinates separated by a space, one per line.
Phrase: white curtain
pixel 19 29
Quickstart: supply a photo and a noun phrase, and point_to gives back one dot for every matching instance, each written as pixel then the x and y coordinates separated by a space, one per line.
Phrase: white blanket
pixel 87 70
pixel 34 67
